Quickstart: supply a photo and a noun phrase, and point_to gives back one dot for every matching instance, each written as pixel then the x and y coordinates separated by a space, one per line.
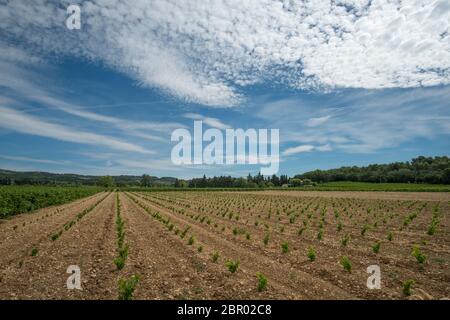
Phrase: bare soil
pixel 377 195
pixel 171 265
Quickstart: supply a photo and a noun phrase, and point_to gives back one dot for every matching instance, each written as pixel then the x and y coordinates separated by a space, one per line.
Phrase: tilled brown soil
pixel 395 260
pixel 287 281
pixel 378 195
pixel 170 266
pixel 24 232
pixel 167 269
pixel 89 244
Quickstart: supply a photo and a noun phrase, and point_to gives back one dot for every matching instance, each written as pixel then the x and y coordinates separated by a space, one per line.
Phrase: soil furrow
pixel 89 244
pixel 19 243
pixel 302 285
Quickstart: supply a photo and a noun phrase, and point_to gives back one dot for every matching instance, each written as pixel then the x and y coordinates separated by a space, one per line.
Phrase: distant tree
pixel 106 181
pixel 240 183
pixel 204 182
pixel 275 180
pixel 259 178
pixel 146 181
pixel 5 181
pixel 296 182
pixel 446 176
pixel 261 184
pixel 179 183
pixel 121 185
pixel 284 179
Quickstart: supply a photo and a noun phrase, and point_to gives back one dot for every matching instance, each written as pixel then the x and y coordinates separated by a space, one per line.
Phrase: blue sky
pixel 347 85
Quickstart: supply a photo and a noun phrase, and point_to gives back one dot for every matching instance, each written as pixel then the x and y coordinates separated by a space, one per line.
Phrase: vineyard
pixel 228 245
pixel 15 200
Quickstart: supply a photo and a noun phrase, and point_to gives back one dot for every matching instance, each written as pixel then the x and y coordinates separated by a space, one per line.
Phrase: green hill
pixel 8 177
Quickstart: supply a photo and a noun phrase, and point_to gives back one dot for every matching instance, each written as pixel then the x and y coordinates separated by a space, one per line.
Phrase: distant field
pixel 366 186
pixel 329 186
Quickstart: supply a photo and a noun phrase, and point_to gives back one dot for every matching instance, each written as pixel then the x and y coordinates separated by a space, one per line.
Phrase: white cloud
pixel 314 122
pixel 20 81
pixel 307 148
pixel 16 56
pixel 132 128
pixel 298 149
pixel 24 123
pixel 204 53
pixel 34 160
pixel 212 122
pixel 366 122
pixel 326 147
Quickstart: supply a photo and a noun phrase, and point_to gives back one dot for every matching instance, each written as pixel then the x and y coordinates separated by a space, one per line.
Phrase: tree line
pixel 250 181
pixel 435 170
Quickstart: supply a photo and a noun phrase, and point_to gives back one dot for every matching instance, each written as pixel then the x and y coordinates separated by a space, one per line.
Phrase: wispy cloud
pixel 18 80
pixel 128 127
pixel 212 122
pixel 359 123
pixel 306 148
pixel 34 160
pixel 314 122
pixel 24 123
pixel 149 165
